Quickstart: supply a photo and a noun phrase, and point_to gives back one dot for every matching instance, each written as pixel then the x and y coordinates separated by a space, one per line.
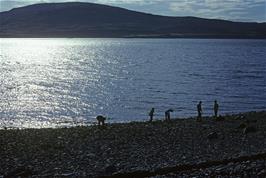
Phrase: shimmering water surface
pixel 63 82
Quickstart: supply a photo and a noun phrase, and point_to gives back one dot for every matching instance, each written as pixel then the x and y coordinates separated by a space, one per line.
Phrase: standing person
pixel 199 111
pixel 151 114
pixel 215 108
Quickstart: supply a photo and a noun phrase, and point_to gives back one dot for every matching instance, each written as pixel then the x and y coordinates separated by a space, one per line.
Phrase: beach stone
pixel 260 166
pixel 68 174
pixel 240 117
pixel 220 118
pixel 91 155
pixel 251 121
pixel 249 129
pixel 253 165
pixel 262 173
pixel 242 126
pixel 110 169
pixel 212 135
pixel 19 172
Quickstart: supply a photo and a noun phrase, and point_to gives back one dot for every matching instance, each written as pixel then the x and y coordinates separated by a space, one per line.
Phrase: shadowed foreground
pixel 226 148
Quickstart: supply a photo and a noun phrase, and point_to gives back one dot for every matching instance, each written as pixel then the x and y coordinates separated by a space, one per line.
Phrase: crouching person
pixel 167 114
pixel 101 120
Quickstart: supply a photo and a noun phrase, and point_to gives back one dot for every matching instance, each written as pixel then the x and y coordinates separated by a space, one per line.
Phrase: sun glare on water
pixel 68 82
pixel 31 50
pixel 35 77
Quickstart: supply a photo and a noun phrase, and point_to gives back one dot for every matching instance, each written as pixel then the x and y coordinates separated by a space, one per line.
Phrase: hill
pixel 76 19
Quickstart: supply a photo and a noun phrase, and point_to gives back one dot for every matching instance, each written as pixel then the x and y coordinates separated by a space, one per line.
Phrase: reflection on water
pixel 61 82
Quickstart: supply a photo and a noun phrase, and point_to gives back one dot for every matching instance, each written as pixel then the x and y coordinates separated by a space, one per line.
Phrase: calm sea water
pixel 64 82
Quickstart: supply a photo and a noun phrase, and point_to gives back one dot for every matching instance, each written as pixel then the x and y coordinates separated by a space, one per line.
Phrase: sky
pixel 235 10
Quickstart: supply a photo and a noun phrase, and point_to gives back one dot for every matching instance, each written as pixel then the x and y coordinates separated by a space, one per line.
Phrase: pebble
pixel 68 174
pixel 19 172
pixel 249 129
pixel 109 170
pixel 212 135
pixel 91 152
pixel 262 173
pixel 239 170
pixel 242 126
pixel 91 155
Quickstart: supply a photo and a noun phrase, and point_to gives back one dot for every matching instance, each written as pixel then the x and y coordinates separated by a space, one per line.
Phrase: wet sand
pixel 138 148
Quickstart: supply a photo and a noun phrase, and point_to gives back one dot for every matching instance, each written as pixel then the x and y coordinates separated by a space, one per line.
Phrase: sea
pixel 51 83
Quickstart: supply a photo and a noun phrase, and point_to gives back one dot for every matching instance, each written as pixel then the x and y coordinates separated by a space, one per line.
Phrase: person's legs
pixel 199 116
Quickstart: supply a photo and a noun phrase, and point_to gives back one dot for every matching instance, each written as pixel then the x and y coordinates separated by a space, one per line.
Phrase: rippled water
pixel 61 82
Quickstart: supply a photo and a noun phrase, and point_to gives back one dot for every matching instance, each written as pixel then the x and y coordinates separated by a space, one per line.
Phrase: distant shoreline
pixel 144 37
pixel 75 19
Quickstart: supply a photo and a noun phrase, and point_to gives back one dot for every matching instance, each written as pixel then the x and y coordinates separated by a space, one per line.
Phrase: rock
pixel 261 165
pixel 249 129
pixel 91 155
pixel 68 174
pixel 253 165
pixel 220 118
pixel 262 173
pixel 19 172
pixel 212 135
pixel 110 169
pixel 242 126
pixel 57 169
pixel 251 121
pixel 240 117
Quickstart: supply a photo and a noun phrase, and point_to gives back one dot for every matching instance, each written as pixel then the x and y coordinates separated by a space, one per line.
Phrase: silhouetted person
pixel 215 108
pixel 167 114
pixel 101 120
pixel 151 114
pixel 199 111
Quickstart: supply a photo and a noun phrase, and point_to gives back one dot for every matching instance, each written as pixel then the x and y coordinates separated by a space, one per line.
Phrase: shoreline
pixel 119 148
pixel 110 121
pixel 138 37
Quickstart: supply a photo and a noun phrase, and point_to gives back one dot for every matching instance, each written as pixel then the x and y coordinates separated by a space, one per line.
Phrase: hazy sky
pixel 237 10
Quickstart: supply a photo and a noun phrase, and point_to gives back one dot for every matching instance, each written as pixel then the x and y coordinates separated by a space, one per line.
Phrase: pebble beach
pixel 233 146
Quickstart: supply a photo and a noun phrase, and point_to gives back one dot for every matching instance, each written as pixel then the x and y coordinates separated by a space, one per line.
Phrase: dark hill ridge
pixel 77 19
